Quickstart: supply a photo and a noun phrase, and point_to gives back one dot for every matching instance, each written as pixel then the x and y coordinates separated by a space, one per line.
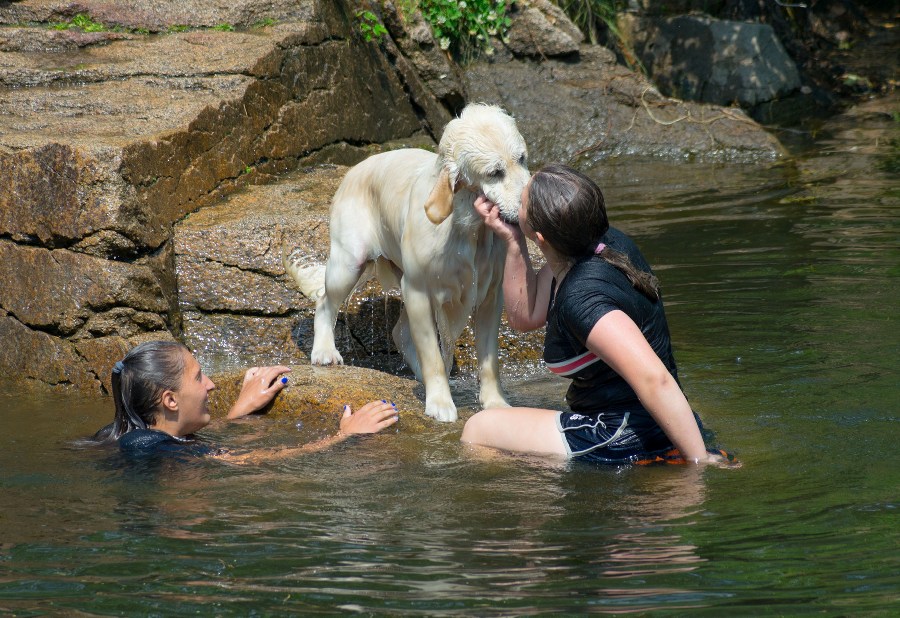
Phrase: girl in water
pixel 606 330
pixel 162 399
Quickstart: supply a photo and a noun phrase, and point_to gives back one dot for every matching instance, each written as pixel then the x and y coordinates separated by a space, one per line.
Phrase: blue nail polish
pixel 383 401
pixel 284 380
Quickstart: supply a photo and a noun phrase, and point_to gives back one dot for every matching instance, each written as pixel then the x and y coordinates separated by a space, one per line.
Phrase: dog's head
pixel 483 151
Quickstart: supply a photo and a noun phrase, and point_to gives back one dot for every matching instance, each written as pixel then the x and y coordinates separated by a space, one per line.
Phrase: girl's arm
pixel 371 418
pixel 526 294
pixel 617 340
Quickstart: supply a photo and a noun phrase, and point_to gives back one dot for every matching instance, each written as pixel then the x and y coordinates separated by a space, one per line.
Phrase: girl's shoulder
pixel 153 441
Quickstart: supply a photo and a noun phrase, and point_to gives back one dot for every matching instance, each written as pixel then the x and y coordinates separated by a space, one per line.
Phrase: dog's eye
pixel 497 174
pixel 523 160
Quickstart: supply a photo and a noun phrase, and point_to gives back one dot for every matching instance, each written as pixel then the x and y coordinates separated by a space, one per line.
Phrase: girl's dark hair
pixel 569 211
pixel 138 382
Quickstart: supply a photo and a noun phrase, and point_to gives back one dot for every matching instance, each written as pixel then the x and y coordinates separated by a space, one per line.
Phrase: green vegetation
pixel 598 20
pixel 593 16
pixel 81 21
pixel 86 23
pixel 264 23
pixel 369 26
pixel 466 25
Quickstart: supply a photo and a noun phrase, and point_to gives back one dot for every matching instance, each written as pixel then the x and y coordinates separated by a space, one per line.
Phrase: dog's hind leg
pixel 403 340
pixel 342 273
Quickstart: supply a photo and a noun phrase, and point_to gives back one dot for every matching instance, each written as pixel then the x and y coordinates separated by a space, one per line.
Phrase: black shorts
pixel 617 437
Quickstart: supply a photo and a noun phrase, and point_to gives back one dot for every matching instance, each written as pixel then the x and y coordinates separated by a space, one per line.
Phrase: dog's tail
pixel 308 275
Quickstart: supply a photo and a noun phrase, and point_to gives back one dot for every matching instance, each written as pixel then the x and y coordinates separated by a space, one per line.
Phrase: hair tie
pixel 118 367
pixel 599 248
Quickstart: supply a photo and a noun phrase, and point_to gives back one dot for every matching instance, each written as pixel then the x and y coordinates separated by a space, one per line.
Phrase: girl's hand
pixel 721 461
pixel 490 212
pixel 261 384
pixel 371 418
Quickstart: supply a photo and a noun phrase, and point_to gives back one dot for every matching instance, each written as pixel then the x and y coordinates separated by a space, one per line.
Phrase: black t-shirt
pixel 141 442
pixel 592 288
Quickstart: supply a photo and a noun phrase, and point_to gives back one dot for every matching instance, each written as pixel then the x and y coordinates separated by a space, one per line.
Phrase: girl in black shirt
pixel 606 329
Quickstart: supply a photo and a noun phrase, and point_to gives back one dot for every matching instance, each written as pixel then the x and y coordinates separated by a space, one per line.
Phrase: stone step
pixel 109 138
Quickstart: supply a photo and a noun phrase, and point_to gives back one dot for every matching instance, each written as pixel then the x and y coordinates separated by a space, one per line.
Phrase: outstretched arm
pixel 371 418
pixel 617 340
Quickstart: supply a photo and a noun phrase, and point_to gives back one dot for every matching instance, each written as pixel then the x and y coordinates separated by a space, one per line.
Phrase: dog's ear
pixel 440 203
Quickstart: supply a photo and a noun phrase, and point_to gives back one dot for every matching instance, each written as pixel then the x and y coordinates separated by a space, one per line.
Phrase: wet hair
pixel 138 382
pixel 569 211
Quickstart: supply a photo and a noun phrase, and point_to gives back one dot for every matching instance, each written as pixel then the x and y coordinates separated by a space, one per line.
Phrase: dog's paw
pixel 444 412
pixel 326 357
pixel 488 403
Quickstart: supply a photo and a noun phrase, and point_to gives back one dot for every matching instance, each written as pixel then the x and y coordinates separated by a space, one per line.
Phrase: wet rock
pixel 540 28
pixel 237 302
pixel 40 40
pixel 59 290
pixel 34 358
pixel 164 14
pixel 420 59
pixel 582 112
pixel 54 193
pixel 100 354
pixel 698 58
pixel 108 139
pixel 316 395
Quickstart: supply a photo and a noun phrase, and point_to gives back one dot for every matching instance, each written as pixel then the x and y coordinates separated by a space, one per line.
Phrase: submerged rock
pixel 316 396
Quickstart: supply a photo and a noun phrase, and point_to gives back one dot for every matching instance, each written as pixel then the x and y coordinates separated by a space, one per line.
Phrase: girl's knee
pixel 475 429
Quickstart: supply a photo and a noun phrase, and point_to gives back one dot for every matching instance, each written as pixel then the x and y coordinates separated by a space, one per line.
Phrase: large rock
pixel 420 59
pixel 698 58
pixel 146 185
pixel 107 139
pixel 540 28
pixel 316 396
pixel 585 111
pixel 162 15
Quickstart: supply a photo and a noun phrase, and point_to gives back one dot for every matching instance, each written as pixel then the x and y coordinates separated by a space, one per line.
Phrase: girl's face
pixel 193 396
pixel 523 214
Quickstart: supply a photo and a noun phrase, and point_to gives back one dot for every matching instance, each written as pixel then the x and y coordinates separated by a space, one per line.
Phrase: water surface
pixel 781 284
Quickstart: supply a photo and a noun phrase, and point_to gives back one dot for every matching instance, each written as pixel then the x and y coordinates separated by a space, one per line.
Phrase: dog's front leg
pixel 487 331
pixel 438 401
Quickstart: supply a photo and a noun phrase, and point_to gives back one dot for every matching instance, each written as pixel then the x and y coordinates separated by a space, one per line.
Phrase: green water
pixel 781 283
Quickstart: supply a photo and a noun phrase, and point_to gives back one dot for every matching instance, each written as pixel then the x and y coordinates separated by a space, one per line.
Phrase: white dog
pixel 410 213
